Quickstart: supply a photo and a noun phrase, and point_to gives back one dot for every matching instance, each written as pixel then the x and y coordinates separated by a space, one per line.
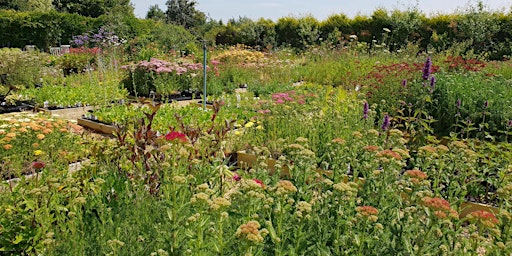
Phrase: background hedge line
pixel 474 30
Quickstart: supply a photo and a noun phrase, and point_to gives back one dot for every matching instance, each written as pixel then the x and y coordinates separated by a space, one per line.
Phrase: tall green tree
pixel 94 8
pixel 155 13
pixel 27 5
pixel 184 13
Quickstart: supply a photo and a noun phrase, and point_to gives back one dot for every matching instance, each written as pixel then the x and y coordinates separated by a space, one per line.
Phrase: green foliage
pixel 184 13
pixel 472 90
pixel 76 62
pixel 404 28
pixel 20 69
pixel 93 8
pixel 155 13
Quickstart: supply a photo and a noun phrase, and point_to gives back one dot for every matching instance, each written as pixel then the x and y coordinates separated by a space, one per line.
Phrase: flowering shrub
pixel 162 77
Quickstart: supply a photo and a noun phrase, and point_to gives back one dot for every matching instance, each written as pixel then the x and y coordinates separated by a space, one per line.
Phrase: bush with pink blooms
pixel 161 77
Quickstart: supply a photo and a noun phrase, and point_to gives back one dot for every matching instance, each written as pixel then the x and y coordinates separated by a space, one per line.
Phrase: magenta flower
pixel 237 177
pixel 38 165
pixel 172 135
pixel 259 182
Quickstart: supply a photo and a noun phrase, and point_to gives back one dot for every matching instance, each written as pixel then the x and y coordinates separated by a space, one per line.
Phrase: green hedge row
pixel 473 31
pixel 47 29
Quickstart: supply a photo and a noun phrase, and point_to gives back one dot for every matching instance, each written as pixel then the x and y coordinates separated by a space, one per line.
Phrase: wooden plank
pixel 99 127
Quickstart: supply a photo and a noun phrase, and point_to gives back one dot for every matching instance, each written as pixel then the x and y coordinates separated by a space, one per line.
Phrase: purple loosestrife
pixel 386 123
pixel 366 109
pixel 459 102
pixel 427 69
pixel 432 84
pixel 404 83
pixel 486 104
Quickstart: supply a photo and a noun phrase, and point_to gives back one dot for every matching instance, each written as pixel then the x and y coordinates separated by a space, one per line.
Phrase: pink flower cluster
pixel 162 66
pixel 290 96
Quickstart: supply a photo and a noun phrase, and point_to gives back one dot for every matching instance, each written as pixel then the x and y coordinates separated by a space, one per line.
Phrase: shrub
pixel 162 77
pixel 19 68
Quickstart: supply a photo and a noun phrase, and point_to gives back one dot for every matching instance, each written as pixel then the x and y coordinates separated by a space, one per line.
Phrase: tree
pixel 155 13
pixel 27 5
pixel 184 13
pixel 94 8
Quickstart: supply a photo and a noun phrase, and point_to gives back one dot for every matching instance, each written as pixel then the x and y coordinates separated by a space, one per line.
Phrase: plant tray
pixel 18 108
pixel 96 126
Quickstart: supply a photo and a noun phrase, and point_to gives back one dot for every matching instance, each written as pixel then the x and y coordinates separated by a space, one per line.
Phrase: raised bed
pixel 96 126
pixel 67 113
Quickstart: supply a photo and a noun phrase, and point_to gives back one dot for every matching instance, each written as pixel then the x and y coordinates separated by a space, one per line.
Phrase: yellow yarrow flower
pixel 38 152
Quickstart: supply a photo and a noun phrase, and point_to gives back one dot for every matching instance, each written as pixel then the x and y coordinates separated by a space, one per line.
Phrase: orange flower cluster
pixel 415 176
pixel 371 148
pixel 484 218
pixel 441 207
pixel 389 154
pixel 368 212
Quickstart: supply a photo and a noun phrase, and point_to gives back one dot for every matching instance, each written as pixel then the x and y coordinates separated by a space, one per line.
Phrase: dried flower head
pixel 250 232
pixel 285 187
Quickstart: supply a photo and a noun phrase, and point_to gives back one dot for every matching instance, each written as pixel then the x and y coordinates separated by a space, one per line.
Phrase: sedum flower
pixel 285 187
pixel 250 232
pixel 368 212
pixel 483 218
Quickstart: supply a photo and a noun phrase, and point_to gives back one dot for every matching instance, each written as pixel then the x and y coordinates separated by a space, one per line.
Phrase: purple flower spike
pixel 459 102
pixel 427 69
pixel 404 83
pixel 385 123
pixel 486 104
pixel 366 109
pixel 432 82
pixel 509 123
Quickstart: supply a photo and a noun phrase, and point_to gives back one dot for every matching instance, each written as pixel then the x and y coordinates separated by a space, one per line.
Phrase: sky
pixel 320 9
